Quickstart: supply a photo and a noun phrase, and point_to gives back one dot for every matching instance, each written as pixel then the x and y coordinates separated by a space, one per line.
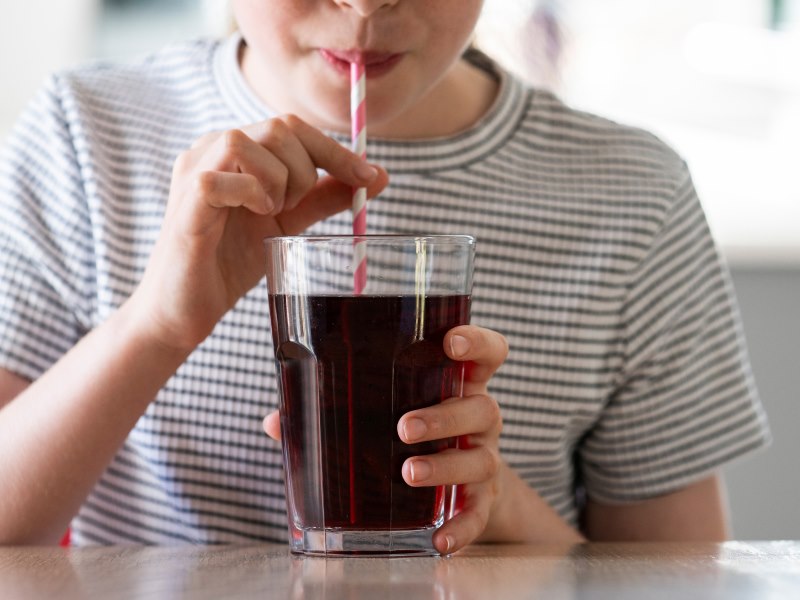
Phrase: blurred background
pixel 717 79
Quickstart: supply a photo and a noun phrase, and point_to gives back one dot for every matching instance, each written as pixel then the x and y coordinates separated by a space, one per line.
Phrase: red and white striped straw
pixel 358 121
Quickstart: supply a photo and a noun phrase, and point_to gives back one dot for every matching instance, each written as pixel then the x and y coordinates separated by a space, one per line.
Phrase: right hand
pixel 229 191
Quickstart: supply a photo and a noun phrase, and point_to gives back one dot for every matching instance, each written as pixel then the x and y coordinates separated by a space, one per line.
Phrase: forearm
pixel 697 512
pixel 58 435
pixel 521 515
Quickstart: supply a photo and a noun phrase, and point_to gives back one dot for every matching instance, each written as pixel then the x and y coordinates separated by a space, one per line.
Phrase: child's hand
pixel 475 419
pixel 229 191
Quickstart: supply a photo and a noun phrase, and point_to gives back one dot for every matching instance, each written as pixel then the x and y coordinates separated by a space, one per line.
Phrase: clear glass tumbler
pixel 352 358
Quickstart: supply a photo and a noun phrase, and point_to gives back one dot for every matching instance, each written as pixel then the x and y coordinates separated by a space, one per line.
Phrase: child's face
pixel 298 50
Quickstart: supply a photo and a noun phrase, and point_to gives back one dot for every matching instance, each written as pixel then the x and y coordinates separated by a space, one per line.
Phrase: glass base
pixel 341 542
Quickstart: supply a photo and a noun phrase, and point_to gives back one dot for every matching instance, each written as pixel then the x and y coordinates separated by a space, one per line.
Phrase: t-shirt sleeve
pixel 685 403
pixel 46 257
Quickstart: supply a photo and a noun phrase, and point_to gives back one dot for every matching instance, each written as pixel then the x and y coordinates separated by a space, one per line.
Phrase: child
pixel 134 344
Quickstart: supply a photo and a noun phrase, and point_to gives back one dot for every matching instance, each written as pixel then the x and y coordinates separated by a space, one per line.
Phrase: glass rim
pixel 454 238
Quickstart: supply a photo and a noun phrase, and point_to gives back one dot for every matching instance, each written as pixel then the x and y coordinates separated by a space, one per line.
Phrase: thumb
pixel 483 350
pixel 272 425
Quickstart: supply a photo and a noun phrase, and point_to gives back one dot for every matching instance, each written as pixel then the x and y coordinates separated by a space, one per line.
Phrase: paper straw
pixel 358 121
pixel 358 129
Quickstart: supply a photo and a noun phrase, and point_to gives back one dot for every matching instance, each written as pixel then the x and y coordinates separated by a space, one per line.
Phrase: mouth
pixel 376 63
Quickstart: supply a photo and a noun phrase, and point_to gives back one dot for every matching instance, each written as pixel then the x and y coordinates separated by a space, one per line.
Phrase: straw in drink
pixel 358 120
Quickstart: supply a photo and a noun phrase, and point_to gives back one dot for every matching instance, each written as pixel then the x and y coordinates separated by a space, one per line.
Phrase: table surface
pixel 616 571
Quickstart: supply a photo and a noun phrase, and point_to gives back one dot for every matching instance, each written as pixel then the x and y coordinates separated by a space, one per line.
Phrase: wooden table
pixel 732 570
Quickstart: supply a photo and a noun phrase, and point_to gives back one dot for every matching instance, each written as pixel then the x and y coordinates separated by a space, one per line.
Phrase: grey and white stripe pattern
pixel 627 375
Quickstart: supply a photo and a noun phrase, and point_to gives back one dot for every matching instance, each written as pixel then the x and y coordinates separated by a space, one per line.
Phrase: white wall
pixel 708 77
pixel 37 37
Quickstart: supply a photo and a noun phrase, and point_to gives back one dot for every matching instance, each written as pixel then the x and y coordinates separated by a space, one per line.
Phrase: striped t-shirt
pixel 627 375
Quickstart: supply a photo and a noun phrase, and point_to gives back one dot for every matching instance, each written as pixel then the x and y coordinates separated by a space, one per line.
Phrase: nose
pixel 365 8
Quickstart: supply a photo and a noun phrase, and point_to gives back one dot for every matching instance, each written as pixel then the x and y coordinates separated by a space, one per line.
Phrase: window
pixel 717 79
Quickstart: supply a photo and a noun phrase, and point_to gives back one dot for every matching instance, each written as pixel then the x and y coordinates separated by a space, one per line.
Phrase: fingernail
pixel 269 204
pixel 420 470
pixel 365 171
pixel 413 429
pixel 459 346
pixel 450 544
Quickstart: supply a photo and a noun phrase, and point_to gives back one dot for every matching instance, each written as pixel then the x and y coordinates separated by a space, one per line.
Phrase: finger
pixel 467 525
pixel 214 190
pixel 219 189
pixel 182 169
pixel 324 151
pixel 272 425
pixel 186 162
pixel 277 138
pixel 484 349
pixel 328 198
pixel 234 151
pixel 462 416
pixel 450 467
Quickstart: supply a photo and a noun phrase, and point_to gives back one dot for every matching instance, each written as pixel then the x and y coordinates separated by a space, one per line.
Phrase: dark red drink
pixel 350 367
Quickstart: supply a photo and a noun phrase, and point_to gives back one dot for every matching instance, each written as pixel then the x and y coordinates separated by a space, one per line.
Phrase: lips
pixel 376 63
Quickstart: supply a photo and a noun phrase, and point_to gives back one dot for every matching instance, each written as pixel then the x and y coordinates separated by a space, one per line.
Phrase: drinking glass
pixel 352 358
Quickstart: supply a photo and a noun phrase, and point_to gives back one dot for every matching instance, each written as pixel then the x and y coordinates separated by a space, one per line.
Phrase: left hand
pixel 475 419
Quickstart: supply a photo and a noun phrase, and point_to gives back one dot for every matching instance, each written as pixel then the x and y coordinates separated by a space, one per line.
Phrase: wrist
pixel 500 517
pixel 150 318
pixel 520 514
pixel 135 328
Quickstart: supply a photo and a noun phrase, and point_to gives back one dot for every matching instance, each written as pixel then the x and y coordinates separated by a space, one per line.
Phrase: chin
pixel 335 121
pixel 329 109
pixel 326 109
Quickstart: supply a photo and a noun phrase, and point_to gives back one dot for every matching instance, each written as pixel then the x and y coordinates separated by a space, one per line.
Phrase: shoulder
pixel 171 64
pixel 135 113
pixel 568 153
pixel 578 136
pixel 165 81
